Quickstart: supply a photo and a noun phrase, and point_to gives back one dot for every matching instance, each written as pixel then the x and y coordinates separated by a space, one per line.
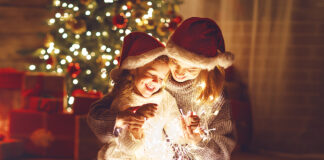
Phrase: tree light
pixel 103 47
pixel 51 21
pixel 75 81
pixel 43 51
pixel 108 50
pixel 128 14
pixel 57 15
pixel 48 66
pixel 109 1
pixel 87 12
pixel 108 14
pixel 57 51
pixel 77 36
pixel 59 70
pixel 75 53
pixel 115 62
pixel 88 57
pixel 64 4
pixel 64 35
pixel 46 57
pixel 124 7
pixel 149 3
pixel 104 75
pixel 117 52
pixel 57 3
pixel 107 63
pixel 88 33
pixel 109 57
pixel 88 71
pixel 98 34
pixel 70 5
pixel 63 61
pixel 69 58
pixel 127 31
pixel 32 67
pixel 61 30
pixel 121 31
pixel 71 100
pixel 105 33
pixel 75 8
pixel 122 38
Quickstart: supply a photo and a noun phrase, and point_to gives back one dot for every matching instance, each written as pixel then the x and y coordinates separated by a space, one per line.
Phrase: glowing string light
pixel 32 67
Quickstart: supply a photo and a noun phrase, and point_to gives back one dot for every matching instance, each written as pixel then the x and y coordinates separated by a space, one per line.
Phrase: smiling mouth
pixel 149 87
pixel 180 77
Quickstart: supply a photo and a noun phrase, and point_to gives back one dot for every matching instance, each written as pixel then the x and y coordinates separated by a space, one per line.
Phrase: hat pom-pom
pixel 225 59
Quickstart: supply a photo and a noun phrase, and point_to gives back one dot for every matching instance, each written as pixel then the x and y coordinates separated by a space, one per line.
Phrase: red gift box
pixel 44 92
pixel 83 100
pixel 10 149
pixel 49 105
pixel 86 144
pixel 11 78
pixel 47 135
pixel 10 95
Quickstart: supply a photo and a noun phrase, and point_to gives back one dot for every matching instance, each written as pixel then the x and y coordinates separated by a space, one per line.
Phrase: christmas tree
pixel 85 37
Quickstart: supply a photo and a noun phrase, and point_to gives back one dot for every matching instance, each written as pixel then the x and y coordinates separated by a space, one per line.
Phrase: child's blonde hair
pixel 124 83
pixel 210 84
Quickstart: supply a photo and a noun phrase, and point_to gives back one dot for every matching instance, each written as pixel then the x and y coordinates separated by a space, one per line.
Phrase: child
pixel 197 53
pixel 138 95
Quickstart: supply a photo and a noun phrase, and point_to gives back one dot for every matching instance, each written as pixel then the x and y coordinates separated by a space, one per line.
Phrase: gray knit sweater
pixel 216 119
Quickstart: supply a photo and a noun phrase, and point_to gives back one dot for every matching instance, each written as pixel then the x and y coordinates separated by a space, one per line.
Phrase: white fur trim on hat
pixel 132 62
pixel 224 59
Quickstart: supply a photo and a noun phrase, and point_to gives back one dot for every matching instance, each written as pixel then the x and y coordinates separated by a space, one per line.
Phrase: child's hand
pixel 136 132
pixel 147 110
pixel 129 119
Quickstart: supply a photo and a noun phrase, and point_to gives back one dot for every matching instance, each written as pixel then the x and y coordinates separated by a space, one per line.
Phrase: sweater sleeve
pixel 172 125
pixel 101 119
pixel 219 141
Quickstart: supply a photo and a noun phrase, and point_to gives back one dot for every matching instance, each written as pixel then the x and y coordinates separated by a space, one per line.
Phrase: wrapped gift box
pixel 43 134
pixel 44 92
pixel 86 145
pixel 83 100
pixel 10 94
pixel 10 149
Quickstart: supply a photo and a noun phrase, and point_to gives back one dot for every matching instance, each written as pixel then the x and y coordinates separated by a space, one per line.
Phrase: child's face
pixel 148 79
pixel 182 72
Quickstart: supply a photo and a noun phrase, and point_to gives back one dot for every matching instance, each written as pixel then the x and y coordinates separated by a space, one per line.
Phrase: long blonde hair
pixel 210 84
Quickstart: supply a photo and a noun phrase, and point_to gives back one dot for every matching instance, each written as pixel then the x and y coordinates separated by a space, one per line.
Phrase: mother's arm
pixel 220 141
pixel 101 119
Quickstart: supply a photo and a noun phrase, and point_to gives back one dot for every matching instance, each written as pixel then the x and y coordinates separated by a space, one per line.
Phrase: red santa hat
pixel 199 42
pixel 138 49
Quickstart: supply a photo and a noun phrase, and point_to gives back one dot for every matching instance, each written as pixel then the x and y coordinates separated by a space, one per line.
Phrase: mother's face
pixel 182 72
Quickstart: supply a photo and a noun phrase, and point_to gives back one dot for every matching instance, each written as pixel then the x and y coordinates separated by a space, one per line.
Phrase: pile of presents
pixel 34 121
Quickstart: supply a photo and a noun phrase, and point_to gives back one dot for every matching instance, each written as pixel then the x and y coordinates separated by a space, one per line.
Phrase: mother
pixel 198 56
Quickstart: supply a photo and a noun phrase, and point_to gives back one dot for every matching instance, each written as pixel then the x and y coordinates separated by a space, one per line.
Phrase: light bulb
pixel 108 50
pixel 64 35
pixel 124 7
pixel 75 53
pixel 46 57
pixel 117 52
pixel 75 81
pixel 88 71
pixel 88 57
pixel 87 12
pixel 57 15
pixel 88 33
pixel 108 14
pixel 149 3
pixel 107 64
pixel 63 61
pixel 69 58
pixel 48 66
pixel 59 70
pixel 128 14
pixel 71 100
pixel 115 62
pixel 61 30
pixel 75 8
pixel 32 67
